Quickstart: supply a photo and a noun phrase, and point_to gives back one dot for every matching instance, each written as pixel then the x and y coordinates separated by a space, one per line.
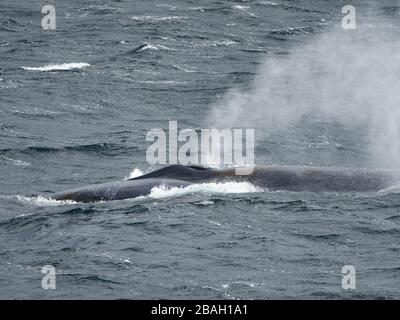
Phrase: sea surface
pixel 76 104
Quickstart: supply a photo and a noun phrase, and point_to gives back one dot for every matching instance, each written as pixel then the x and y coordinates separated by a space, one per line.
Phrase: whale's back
pixel 291 178
pixel 317 179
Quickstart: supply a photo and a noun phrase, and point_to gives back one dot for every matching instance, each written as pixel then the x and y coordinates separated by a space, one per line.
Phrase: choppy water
pixel 75 106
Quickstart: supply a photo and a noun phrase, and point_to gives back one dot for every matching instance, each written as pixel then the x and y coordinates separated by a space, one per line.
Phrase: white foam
pixel 155 18
pixel 244 9
pixel 134 174
pixel 182 69
pixel 205 203
pixel 207 188
pixel 19 162
pixel 59 67
pixel 163 82
pixel 215 43
pixel 149 46
pixel 43 201
pixel 241 7
pixel 214 223
pixel 269 3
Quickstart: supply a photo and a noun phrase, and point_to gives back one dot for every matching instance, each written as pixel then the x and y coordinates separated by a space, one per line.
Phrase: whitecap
pixel 156 18
pixel 164 82
pixel 214 223
pixel 59 67
pixel 149 46
pixel 269 3
pixel 19 162
pixel 182 69
pixel 215 43
pixel 205 203
pixel 241 7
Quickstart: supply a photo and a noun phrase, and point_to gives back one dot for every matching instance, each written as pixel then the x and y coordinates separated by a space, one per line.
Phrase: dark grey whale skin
pixel 171 176
pixel 290 178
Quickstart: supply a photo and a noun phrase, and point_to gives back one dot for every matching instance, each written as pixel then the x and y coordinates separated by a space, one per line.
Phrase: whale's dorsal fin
pixel 180 172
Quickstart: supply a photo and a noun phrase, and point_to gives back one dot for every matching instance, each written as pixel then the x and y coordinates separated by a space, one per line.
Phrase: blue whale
pixel 290 178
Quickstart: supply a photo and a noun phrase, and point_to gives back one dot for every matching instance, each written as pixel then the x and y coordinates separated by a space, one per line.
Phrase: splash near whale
pixel 290 178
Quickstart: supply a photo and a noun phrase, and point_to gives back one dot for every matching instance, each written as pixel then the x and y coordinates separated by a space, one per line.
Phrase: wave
pixel 148 46
pixel 121 54
pixel 205 203
pixel 99 9
pixel 34 112
pixel 59 67
pixel 157 19
pixel 9 84
pixel 18 162
pixel 268 3
pixel 182 69
pixel 244 8
pixel 94 148
pixel 9 25
pixel 215 43
pixel 163 82
pixel 293 31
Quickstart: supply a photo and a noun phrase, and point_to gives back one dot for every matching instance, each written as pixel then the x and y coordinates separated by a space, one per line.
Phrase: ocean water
pixel 76 104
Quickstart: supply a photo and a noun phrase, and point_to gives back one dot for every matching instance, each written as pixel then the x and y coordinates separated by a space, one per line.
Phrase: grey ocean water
pixel 314 93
